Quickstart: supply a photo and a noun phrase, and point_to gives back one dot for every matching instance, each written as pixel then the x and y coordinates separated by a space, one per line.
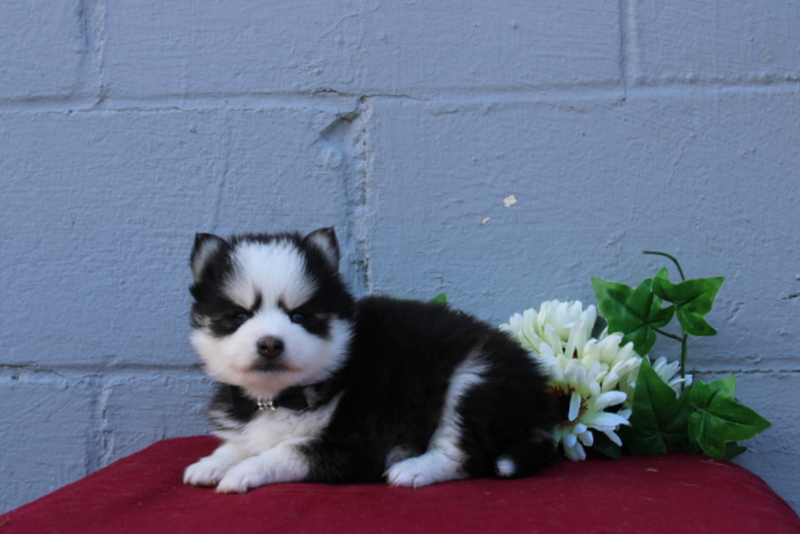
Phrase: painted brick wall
pixel 128 125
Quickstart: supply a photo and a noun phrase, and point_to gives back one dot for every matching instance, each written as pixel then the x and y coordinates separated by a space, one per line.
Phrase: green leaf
pixel 692 447
pixel 659 420
pixel 440 299
pixel 693 300
pixel 720 419
pixel 732 450
pixel 634 312
pixel 603 444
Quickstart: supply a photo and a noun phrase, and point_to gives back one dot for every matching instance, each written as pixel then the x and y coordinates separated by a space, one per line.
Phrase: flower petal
pixel 574 406
pixel 610 398
pixel 605 421
pixel 613 437
pixel 575 453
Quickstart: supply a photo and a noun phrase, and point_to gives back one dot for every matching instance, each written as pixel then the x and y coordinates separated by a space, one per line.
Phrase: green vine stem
pixel 674 260
pixel 683 359
pixel 667 334
pixel 685 338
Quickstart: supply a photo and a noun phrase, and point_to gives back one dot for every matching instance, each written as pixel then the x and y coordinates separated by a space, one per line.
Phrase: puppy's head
pixel 270 310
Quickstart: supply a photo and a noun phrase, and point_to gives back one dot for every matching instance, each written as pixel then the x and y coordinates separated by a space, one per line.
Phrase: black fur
pixel 394 380
pixel 211 303
pixel 401 361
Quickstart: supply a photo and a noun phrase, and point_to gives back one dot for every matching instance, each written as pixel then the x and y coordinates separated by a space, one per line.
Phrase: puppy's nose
pixel 270 346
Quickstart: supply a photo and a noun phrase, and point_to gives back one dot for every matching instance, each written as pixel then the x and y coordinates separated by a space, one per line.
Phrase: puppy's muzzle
pixel 270 347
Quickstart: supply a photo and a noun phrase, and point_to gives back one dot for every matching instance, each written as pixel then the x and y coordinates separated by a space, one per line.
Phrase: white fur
pixel 272 427
pixel 264 451
pixel 268 448
pixel 309 359
pixel 433 466
pixel 506 467
pixel 284 463
pixel 210 470
pixel 276 273
pixel 397 454
pixel 444 459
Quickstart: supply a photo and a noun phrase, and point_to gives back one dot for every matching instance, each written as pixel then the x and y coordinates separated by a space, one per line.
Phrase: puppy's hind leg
pixel 444 459
pixel 398 453
pixel 433 466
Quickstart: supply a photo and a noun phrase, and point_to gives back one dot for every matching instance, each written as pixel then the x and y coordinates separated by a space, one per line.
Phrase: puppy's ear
pixel 325 241
pixel 205 247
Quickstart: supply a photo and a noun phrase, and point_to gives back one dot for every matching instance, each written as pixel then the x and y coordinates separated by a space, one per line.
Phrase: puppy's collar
pixel 293 398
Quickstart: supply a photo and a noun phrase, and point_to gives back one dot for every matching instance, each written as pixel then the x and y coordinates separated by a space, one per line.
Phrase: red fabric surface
pixel 658 494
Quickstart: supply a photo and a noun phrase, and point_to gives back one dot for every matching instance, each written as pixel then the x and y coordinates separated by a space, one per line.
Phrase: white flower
pixel 586 414
pixel 587 375
pixel 529 327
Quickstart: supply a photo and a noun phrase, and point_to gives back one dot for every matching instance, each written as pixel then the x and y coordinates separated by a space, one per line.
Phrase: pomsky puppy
pixel 316 386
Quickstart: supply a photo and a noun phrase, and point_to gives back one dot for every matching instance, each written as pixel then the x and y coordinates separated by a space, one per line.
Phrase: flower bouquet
pixel 611 394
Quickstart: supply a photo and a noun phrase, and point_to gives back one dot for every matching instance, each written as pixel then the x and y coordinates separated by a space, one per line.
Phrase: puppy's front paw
pixel 281 464
pixel 206 473
pixel 242 478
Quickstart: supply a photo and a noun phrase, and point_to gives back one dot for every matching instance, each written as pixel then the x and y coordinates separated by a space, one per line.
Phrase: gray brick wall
pixel 128 125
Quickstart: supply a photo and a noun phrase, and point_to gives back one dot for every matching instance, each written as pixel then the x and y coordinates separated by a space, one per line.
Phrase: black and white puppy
pixel 315 386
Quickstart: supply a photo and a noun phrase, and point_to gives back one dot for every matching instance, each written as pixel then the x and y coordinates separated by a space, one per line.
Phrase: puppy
pixel 315 386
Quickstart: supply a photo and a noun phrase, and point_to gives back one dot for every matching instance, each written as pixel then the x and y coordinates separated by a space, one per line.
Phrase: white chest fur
pixel 269 428
pixel 262 451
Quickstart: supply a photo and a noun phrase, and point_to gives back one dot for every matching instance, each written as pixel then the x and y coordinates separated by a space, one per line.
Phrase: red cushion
pixel 670 494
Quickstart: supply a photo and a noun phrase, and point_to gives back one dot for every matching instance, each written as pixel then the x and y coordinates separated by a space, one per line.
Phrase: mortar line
pixel 360 212
pixel 93 32
pixel 623 47
pixel 99 369
pixel 219 189
pixel 195 369
pixel 629 45
pixel 607 90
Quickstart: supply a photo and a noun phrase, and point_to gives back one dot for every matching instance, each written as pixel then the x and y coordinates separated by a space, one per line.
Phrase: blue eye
pixel 297 318
pixel 241 318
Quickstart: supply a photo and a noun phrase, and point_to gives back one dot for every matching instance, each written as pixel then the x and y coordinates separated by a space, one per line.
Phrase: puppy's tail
pixel 525 459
